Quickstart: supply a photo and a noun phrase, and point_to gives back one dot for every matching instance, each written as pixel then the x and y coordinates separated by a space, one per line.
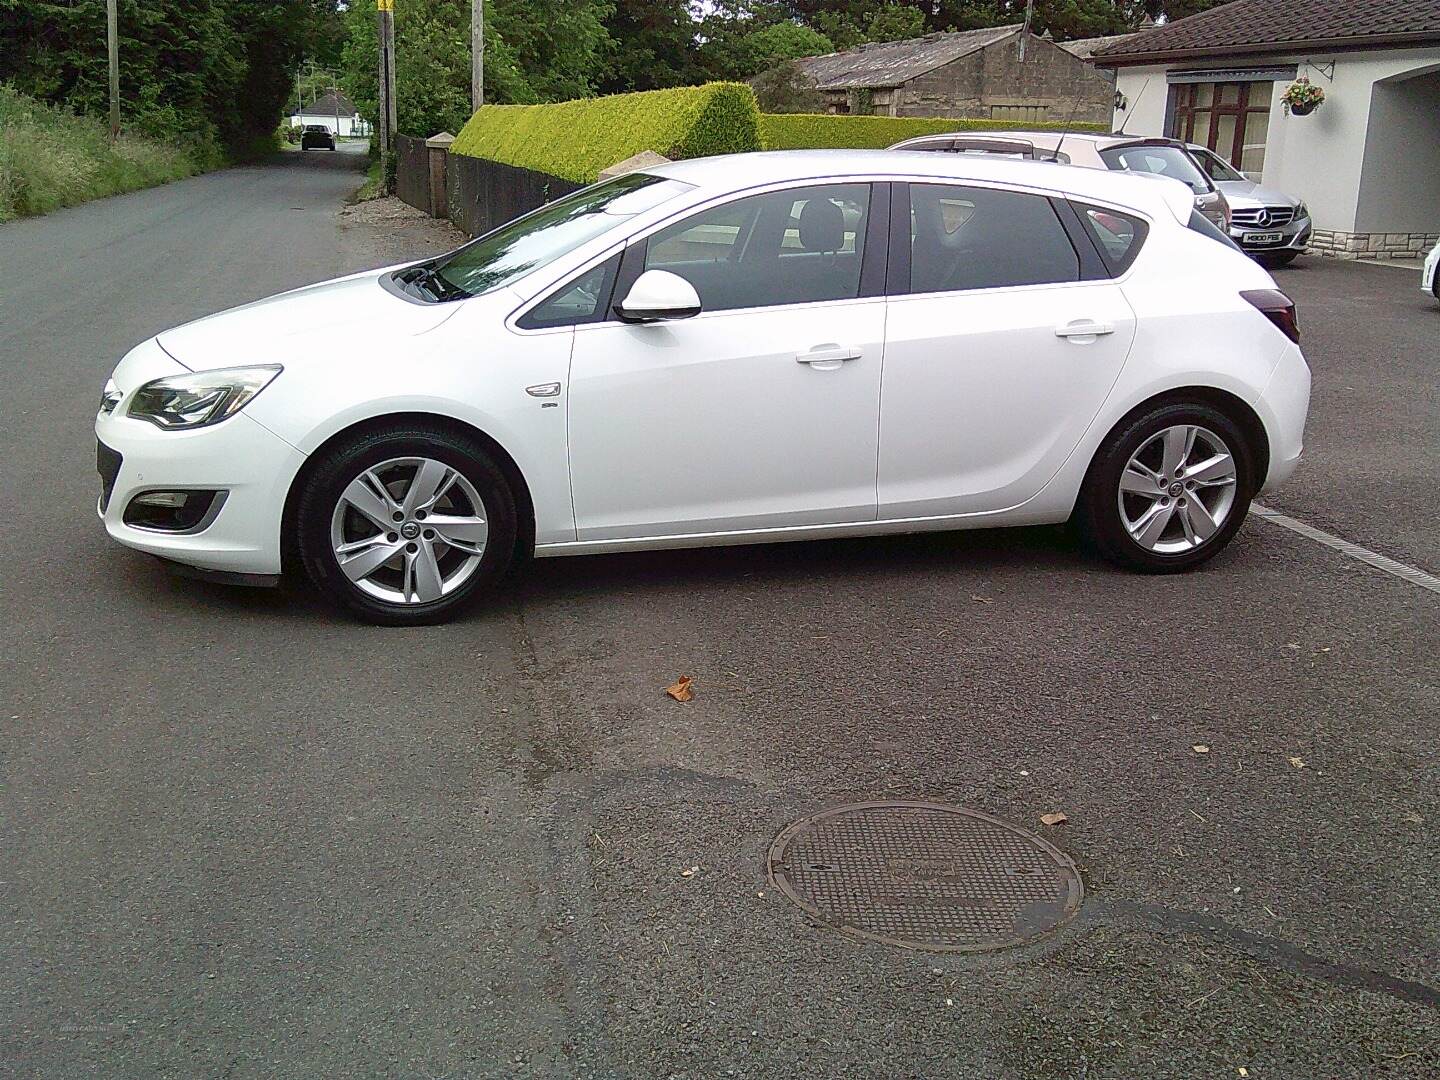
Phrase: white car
pixel 766 347
pixel 1429 277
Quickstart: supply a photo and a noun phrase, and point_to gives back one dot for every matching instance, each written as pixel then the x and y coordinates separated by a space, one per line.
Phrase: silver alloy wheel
pixel 409 530
pixel 1177 489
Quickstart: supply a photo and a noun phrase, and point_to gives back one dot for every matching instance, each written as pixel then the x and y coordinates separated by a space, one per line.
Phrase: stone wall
pixel 1348 245
pixel 1066 87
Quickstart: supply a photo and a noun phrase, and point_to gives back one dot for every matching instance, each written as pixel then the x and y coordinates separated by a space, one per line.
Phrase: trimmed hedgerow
pixel 810 131
pixel 577 139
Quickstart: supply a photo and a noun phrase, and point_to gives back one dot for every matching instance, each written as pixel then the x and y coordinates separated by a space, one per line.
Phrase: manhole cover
pixel 925 876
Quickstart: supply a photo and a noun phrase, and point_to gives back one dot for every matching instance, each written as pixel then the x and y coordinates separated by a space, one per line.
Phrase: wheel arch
pixel 524 503
pixel 1236 408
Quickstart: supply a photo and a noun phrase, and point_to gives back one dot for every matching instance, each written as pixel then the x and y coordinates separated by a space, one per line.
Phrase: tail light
pixel 1278 308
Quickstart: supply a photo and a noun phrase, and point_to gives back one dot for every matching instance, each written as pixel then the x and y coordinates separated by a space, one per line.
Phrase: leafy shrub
pixel 50 158
pixel 817 131
pixel 575 140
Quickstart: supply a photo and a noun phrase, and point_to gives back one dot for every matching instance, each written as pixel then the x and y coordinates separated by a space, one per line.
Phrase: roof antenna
pixel 1066 129
pixel 1131 113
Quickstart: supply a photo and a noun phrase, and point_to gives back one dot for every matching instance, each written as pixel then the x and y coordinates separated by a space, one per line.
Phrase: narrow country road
pixel 243 837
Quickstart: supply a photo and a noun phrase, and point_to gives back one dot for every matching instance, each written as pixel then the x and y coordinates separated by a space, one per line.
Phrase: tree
pixel 535 50
pixel 787 89
pixel 653 45
pixel 203 72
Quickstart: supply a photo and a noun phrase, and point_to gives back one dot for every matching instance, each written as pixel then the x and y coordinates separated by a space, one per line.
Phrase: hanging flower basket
pixel 1302 97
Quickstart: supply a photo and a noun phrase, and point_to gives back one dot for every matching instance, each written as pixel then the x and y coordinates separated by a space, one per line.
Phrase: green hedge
pixel 577 139
pixel 810 131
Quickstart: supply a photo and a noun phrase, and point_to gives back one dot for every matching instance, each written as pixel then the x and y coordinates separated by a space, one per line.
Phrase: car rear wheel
pixel 406 527
pixel 1168 490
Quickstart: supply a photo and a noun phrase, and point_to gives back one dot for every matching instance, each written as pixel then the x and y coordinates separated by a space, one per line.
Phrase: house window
pixel 1231 119
pixel 1018 112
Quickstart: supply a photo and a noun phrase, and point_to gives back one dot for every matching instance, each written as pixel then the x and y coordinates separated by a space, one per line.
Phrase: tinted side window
pixel 579 300
pixel 802 245
pixel 978 238
pixel 1118 235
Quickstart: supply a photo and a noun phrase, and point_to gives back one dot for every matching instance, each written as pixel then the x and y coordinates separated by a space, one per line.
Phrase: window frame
pixel 872 257
pixel 899 278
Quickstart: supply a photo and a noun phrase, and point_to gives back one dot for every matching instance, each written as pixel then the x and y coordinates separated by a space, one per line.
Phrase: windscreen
pixel 556 229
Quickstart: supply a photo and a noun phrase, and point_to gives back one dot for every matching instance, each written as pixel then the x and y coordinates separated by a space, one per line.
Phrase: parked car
pixel 1430 273
pixel 1122 153
pixel 316 137
pixel 692 356
pixel 1272 226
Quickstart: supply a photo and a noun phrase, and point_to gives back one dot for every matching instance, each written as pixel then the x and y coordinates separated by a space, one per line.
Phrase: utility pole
pixel 385 13
pixel 112 41
pixel 477 53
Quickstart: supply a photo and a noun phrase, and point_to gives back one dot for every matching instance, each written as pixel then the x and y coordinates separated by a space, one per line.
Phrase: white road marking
pixel 1345 547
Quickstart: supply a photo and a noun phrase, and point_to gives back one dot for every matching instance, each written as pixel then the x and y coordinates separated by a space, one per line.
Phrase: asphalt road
pixel 243 837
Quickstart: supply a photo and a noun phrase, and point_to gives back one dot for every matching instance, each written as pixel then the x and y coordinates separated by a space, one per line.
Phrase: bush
pixel 815 131
pixel 575 140
pixel 50 158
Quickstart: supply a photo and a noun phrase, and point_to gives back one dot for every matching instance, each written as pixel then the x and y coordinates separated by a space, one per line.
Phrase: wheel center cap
pixel 1176 488
pixel 409 530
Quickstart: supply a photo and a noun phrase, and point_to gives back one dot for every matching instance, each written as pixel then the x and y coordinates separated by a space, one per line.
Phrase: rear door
pixel 1003 339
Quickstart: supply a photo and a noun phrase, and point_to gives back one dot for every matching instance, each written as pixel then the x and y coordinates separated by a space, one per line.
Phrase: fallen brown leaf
pixel 680 690
pixel 1057 818
pixel 1200 748
pixel 690 871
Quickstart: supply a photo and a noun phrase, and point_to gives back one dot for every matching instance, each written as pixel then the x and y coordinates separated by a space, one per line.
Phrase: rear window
pixel 1168 161
pixel 1118 236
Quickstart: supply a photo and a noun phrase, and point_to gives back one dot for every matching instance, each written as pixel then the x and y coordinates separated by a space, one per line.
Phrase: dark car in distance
pixel 317 136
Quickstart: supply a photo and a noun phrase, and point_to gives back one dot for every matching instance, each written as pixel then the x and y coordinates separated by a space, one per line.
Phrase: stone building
pixel 972 74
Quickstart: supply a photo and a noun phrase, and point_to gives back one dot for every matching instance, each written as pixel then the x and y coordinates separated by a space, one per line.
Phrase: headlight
pixel 206 397
pixel 1302 211
pixel 110 397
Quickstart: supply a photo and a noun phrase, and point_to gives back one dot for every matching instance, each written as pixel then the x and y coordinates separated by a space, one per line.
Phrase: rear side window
pixel 1118 236
pixel 1201 224
pixel 980 238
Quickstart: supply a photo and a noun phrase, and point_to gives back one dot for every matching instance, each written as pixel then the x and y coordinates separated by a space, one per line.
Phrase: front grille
pixel 1262 217
pixel 107 461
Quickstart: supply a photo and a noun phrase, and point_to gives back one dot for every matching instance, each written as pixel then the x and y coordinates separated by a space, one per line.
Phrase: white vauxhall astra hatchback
pixel 766 347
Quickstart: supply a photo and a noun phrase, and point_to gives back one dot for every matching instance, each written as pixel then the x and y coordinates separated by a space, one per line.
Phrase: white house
pixel 1367 161
pixel 335 111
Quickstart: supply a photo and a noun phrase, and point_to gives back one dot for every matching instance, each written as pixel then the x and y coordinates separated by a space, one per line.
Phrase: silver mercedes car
pixel 1268 224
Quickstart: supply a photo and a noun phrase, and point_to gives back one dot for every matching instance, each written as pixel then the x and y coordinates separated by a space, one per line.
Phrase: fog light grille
pixel 173 511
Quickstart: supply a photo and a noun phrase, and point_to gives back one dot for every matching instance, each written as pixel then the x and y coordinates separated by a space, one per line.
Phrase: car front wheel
pixel 1168 490
pixel 406 527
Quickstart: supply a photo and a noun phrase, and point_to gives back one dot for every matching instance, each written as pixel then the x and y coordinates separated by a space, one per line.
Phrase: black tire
pixel 341 464
pixel 1097 514
pixel 1278 259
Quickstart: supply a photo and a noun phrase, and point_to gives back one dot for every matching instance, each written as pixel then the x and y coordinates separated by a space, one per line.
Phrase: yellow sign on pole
pixel 384 5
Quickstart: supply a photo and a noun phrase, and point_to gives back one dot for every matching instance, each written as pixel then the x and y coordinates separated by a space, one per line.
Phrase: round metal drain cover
pixel 925 876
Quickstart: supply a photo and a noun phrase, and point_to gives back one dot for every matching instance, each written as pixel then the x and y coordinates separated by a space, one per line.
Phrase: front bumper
pixel 1293 237
pixel 251 466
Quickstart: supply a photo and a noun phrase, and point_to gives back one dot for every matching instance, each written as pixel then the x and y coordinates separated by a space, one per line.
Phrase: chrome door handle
pixel 1083 328
pixel 828 357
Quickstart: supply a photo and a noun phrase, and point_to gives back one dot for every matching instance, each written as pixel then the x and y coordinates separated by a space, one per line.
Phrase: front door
pixel 997 355
pixel 760 412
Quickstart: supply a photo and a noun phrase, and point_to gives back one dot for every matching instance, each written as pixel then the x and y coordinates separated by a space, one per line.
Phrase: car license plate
pixel 1262 237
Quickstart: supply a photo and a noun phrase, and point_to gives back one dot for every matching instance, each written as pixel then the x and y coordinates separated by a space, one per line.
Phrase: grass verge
pixel 50 157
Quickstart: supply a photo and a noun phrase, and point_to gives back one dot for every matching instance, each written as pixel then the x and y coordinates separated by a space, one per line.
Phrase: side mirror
pixel 659 296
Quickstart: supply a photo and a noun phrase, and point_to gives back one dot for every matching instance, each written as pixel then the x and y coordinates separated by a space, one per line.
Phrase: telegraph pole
pixel 477 53
pixel 385 13
pixel 112 41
